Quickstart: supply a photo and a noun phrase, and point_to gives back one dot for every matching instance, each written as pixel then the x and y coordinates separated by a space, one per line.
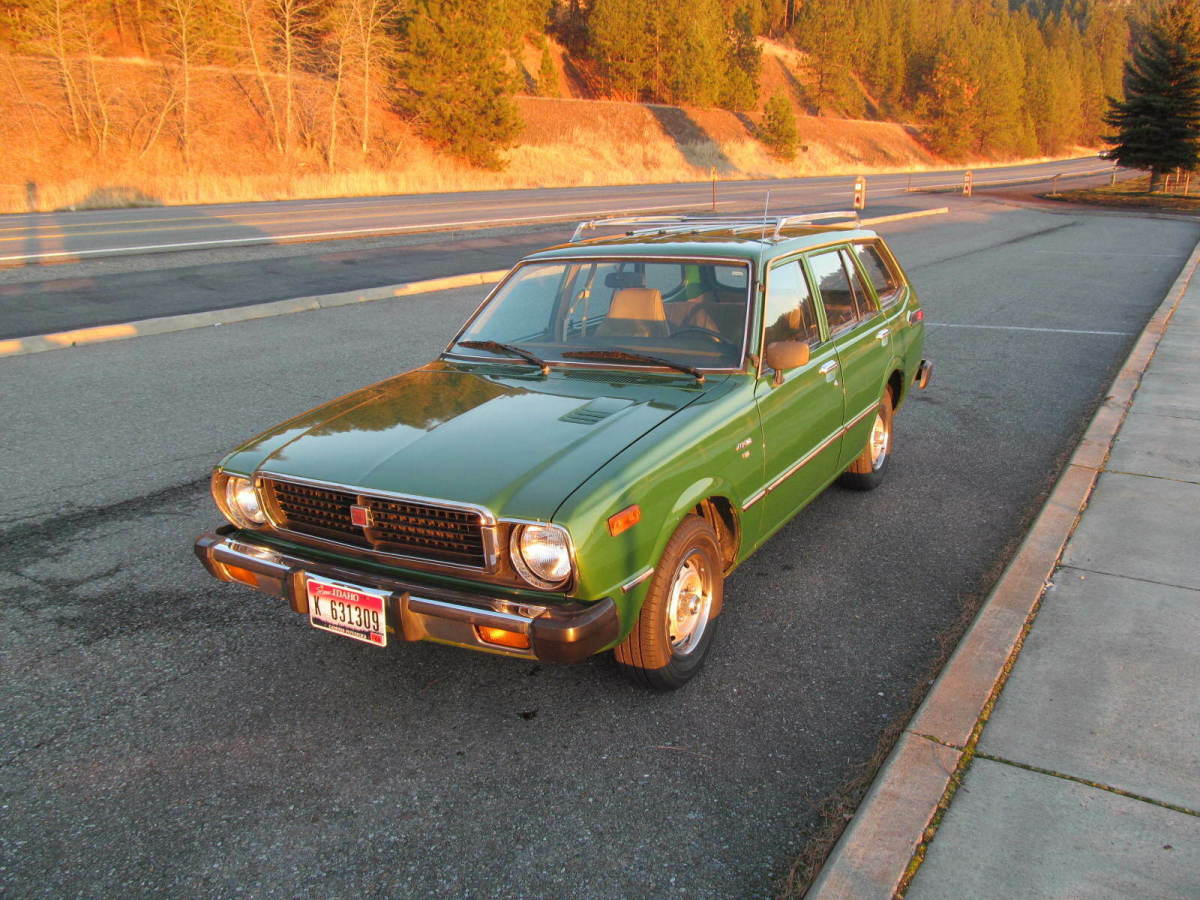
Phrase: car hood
pixel 516 443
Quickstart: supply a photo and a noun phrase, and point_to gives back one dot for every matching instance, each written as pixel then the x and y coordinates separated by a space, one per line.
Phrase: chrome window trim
pixel 487 521
pixel 881 317
pixel 795 467
pixel 637 579
pixel 744 262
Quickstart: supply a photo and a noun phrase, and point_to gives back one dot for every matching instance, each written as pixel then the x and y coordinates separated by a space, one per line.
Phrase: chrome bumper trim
pixel 562 631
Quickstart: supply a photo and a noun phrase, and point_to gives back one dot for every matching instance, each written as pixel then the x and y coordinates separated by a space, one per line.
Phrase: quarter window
pixel 790 314
pixel 884 280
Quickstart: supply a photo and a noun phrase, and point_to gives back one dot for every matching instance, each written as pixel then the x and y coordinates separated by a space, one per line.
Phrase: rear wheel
pixel 867 471
pixel 675 628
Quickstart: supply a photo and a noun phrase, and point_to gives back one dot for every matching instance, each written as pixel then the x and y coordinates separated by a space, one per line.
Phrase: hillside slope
pixel 565 141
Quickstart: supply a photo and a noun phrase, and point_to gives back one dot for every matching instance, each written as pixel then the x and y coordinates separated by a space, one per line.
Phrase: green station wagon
pixel 622 422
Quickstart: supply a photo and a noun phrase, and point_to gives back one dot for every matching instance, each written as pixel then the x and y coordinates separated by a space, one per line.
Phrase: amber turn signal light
pixel 624 520
pixel 237 573
pixel 502 637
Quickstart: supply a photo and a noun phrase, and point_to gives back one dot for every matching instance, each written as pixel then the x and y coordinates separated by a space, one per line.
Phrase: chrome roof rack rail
pixel 783 222
pixel 669 224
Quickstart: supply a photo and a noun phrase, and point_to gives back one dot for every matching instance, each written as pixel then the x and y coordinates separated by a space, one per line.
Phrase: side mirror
pixel 784 355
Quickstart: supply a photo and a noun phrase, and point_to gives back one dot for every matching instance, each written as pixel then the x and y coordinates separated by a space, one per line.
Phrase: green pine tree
pixel 740 90
pixel 454 85
pixel 547 76
pixel 621 38
pixel 951 111
pixel 1158 122
pixel 778 128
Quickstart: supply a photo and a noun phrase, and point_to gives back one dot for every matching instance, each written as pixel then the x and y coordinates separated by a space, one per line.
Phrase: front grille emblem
pixel 361 516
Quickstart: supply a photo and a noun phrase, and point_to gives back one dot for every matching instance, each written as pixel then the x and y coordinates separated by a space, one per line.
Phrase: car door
pixel 801 411
pixel 860 338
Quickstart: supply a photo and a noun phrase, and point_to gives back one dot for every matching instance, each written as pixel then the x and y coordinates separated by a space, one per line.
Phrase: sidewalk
pixel 1086 778
pixel 1084 781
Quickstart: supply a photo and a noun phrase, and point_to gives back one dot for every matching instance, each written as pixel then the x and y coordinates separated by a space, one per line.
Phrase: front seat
pixel 635 312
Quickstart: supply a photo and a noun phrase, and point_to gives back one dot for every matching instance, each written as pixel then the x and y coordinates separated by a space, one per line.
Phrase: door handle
pixel 828 367
pixel 882 334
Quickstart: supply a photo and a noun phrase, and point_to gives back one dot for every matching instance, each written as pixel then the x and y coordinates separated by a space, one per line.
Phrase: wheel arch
pixel 722 515
pixel 895 384
pixel 709 498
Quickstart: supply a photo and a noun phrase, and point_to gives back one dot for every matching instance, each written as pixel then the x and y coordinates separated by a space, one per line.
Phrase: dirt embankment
pixel 127 143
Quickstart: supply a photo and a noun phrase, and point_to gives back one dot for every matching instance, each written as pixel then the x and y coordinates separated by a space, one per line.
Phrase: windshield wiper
pixel 511 350
pixel 636 357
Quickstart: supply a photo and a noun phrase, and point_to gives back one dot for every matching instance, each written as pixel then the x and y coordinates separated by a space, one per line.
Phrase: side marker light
pixel 624 520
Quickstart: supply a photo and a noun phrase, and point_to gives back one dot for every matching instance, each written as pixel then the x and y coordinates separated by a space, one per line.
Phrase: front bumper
pixel 557 633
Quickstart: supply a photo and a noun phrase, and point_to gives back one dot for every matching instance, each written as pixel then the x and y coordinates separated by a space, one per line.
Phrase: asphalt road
pixel 38 297
pixel 34 238
pixel 166 734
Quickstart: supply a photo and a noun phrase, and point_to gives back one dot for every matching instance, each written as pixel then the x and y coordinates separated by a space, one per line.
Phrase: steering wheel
pixel 707 332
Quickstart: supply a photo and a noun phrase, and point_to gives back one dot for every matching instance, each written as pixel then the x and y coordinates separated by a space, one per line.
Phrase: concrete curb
pixel 62 340
pixel 874 853
pixel 164 324
pixel 896 217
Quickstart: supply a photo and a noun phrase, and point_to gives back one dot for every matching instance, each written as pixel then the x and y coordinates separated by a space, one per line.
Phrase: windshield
pixel 690 313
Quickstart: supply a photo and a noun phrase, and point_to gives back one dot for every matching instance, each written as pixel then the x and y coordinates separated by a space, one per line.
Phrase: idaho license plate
pixel 348 610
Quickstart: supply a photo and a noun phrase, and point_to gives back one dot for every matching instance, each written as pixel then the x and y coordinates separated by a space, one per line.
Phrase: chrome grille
pixel 399 527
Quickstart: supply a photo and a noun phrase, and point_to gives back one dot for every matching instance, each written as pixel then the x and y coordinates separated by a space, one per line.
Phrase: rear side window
pixel 790 314
pixel 880 273
pixel 842 290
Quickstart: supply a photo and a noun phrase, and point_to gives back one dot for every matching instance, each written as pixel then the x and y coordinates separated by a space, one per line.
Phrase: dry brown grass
pixel 1135 194
pixel 566 142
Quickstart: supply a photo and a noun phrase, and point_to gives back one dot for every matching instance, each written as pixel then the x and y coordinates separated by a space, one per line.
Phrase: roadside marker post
pixel 713 172
pixel 968 182
pixel 860 192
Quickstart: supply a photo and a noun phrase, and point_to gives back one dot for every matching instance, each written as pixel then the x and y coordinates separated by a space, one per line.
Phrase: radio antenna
pixel 766 206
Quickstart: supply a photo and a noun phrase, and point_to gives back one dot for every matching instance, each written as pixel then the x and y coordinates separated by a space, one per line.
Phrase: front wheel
pixel 679 616
pixel 867 471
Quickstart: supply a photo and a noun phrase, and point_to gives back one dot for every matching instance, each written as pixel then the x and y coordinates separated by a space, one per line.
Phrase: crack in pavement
pixel 1088 783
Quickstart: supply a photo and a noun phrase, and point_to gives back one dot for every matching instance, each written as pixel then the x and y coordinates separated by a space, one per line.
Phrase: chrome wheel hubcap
pixel 881 439
pixel 689 603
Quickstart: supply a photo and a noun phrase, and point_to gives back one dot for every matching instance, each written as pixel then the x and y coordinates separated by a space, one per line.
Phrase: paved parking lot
pixel 168 734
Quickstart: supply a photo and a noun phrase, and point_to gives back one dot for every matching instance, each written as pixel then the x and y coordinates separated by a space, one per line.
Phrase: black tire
pixel 869 467
pixel 674 631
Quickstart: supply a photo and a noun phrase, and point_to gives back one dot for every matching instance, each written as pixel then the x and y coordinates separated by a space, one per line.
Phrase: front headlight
pixel 541 554
pixel 238 500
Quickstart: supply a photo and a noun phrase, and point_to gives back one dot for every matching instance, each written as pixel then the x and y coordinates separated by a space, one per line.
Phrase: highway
pixel 166 734
pixel 71 236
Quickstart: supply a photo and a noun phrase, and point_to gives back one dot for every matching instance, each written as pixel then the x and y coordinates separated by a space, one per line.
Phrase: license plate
pixel 348 610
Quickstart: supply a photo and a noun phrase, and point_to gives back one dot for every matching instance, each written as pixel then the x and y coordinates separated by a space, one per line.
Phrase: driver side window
pixel 790 315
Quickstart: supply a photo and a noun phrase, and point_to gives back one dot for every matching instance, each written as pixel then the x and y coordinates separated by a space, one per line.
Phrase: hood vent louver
pixel 595 411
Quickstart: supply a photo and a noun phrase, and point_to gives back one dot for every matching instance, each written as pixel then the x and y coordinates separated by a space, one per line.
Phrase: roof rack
pixel 696 224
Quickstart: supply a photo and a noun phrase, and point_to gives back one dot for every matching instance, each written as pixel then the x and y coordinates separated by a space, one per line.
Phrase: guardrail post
pixel 968 182
pixel 860 192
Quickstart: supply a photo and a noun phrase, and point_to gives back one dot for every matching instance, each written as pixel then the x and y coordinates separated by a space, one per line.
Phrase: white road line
pixel 1026 328
pixel 279 238
pixel 1111 253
